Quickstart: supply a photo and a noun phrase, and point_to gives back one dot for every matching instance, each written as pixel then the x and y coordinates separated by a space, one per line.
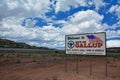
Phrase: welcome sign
pixel 86 44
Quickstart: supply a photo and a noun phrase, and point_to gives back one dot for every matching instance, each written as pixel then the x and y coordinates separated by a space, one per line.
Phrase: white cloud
pixel 12 28
pixel 81 22
pixel 48 36
pixel 65 5
pixel 12 5
pixel 113 33
pixel 84 22
pixel 116 25
pixel 115 9
pixel 88 15
pixel 24 8
pixel 113 43
pixel 30 22
pixel 98 3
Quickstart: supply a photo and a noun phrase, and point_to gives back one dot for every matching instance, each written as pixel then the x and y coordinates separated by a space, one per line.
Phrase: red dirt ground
pixel 53 68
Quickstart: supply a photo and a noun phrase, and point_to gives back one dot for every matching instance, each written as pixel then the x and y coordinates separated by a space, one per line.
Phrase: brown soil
pixel 53 68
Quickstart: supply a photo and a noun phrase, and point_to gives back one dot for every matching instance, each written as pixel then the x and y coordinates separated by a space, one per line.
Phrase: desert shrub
pixel 44 56
pixel 2 55
pixel 18 55
pixel 39 62
pixel 7 56
pixel 55 59
pixel 18 61
pixel 56 51
pixel 29 55
pixel 80 60
pixel 108 62
pixel 34 58
pixel 115 56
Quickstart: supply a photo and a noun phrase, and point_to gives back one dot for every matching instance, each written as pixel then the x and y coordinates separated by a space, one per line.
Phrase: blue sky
pixel 45 23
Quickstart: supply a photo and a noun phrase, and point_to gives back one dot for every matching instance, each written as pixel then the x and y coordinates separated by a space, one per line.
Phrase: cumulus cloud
pixel 48 36
pixel 84 22
pixel 11 28
pixel 30 22
pixel 98 3
pixel 65 5
pixel 113 33
pixel 81 22
pixel 12 5
pixel 24 8
pixel 115 9
pixel 115 43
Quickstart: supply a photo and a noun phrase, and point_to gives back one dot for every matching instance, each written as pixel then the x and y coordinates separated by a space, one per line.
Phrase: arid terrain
pixel 53 68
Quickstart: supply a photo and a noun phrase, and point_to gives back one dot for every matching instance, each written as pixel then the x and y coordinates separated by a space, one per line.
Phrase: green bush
pixel 18 61
pixel 34 58
pixel 2 55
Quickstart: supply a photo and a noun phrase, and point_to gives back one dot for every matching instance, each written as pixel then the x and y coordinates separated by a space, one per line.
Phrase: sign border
pixel 84 34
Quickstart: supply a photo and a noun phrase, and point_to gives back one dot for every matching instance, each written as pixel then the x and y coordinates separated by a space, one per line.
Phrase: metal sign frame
pixel 83 43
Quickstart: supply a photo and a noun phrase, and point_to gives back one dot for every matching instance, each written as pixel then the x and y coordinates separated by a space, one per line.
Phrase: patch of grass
pixel 114 77
pixel 1 55
pixel 80 60
pixel 55 59
pixel 108 62
pixel 115 56
pixel 43 56
pixel 34 58
pixel 18 61
pixel 29 55
pixel 18 55
pixel 39 62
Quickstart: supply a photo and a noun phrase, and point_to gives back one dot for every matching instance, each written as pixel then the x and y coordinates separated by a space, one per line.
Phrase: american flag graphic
pixel 94 39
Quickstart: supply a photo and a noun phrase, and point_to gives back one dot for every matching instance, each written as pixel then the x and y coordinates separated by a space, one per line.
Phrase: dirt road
pixel 53 68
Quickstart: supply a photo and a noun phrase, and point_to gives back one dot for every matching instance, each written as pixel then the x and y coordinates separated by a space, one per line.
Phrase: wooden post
pixel 65 63
pixel 77 64
pixel 90 65
pixel 106 66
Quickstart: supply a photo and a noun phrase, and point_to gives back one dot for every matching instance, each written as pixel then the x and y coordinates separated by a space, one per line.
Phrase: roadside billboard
pixel 86 44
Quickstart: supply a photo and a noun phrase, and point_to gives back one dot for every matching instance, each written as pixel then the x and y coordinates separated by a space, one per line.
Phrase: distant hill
pixel 5 43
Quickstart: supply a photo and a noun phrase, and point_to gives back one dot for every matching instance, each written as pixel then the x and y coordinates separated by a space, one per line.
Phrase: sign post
pixel 76 64
pixel 65 63
pixel 90 65
pixel 106 61
pixel 86 44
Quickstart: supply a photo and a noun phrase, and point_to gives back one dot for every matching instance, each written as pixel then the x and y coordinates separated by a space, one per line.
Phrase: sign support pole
pixel 65 63
pixel 77 64
pixel 90 65
pixel 106 66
